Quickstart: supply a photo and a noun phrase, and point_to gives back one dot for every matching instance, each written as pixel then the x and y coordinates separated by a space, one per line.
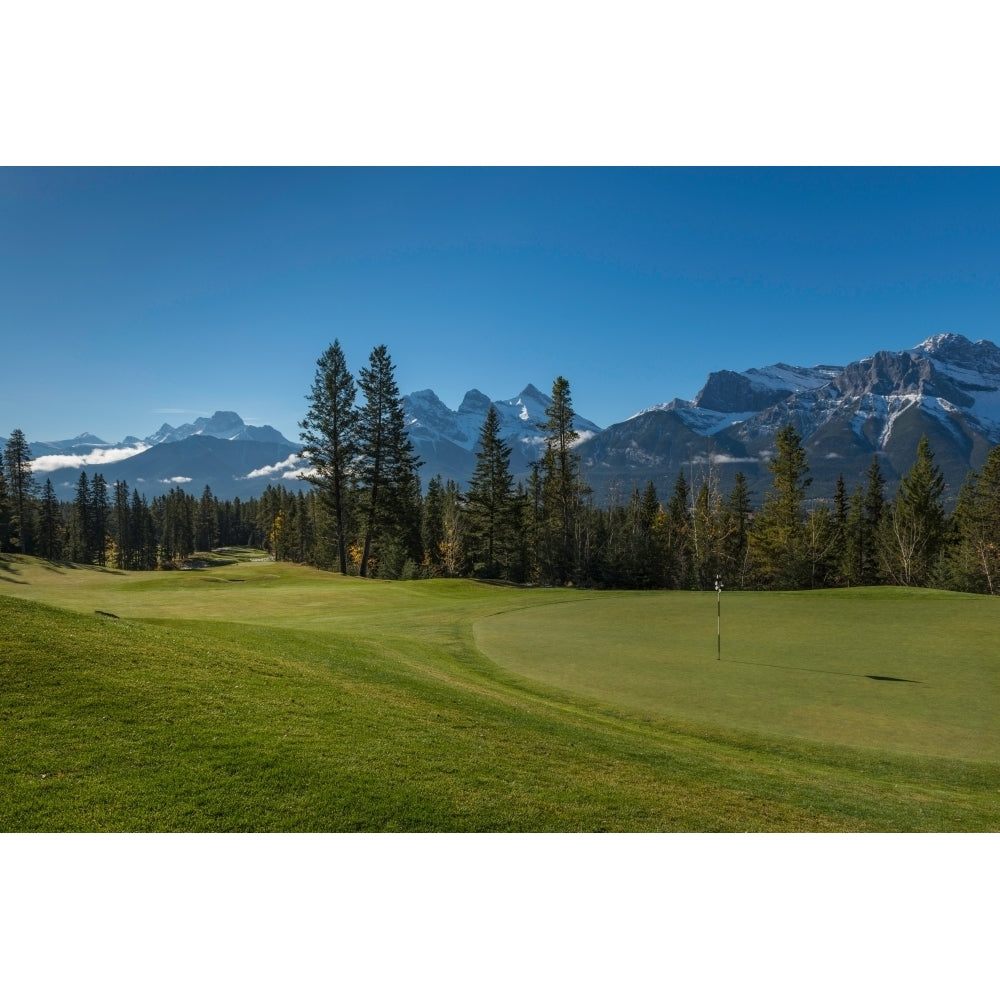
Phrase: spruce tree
pixel 678 542
pixel 851 565
pixel 387 465
pixel 489 501
pixel 778 534
pixel 736 545
pixel 81 540
pixel 329 435
pixel 871 526
pixel 914 528
pixel 432 526
pixel 5 534
pixel 207 524
pixel 975 562
pixel 142 530
pixel 99 518
pixel 562 487
pixel 49 524
pixel 22 489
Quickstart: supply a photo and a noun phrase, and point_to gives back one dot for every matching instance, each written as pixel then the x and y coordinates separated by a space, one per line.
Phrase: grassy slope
pixel 293 700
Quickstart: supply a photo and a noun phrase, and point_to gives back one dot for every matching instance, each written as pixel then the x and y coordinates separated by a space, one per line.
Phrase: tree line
pixel 366 513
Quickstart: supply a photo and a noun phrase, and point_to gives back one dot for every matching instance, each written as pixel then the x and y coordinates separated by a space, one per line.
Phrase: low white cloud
pixel 290 469
pixel 99 456
pixel 177 480
pixel 729 460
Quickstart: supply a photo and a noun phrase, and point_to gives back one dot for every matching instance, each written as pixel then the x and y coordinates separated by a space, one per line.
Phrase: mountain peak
pixel 531 391
pixel 942 343
pixel 475 401
pixel 226 425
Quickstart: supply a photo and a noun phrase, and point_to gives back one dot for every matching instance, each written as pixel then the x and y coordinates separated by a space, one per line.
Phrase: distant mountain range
pixel 222 452
pixel 946 387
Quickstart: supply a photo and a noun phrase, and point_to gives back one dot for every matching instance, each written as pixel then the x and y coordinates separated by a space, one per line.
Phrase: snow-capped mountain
pixel 447 439
pixel 946 387
pixel 222 452
pixel 224 425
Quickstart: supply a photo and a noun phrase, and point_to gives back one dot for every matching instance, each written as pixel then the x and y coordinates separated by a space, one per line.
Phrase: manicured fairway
pixel 259 696
pixel 901 670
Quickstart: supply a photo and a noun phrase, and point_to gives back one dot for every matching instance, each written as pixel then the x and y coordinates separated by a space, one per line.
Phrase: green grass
pixel 262 696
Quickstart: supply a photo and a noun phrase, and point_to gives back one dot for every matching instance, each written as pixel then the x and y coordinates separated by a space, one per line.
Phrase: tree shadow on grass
pixel 9 571
pixel 820 670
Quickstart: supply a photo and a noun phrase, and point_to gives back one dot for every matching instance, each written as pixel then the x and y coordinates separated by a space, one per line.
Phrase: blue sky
pixel 134 297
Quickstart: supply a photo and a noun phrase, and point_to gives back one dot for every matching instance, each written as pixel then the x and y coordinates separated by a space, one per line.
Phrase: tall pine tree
pixel 489 502
pixel 22 489
pixel 329 436
pixel 562 487
pixel 387 464
pixel 5 534
pixel 778 533
pixel 914 528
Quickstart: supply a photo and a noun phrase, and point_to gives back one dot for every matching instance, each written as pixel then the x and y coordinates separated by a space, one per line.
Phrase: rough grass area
pixel 261 696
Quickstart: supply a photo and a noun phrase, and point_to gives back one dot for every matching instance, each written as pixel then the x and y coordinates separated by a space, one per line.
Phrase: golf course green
pixel 248 695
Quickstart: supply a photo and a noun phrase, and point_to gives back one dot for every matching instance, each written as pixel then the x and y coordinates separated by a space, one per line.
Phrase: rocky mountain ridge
pixel 946 387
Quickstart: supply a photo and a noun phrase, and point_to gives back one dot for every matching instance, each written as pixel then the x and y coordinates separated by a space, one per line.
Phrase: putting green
pixel 907 671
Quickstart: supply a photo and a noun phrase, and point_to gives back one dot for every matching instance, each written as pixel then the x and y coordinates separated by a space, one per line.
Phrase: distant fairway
pixel 256 696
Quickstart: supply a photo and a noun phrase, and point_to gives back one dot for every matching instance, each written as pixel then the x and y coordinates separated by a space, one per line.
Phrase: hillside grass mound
pixel 303 701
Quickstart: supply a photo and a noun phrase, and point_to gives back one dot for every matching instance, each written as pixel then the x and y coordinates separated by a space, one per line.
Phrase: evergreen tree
pixel 562 488
pixel 49 524
pixel 841 509
pixel 851 565
pixel 5 533
pixel 532 534
pixel 142 530
pixel 975 562
pixel 22 489
pixel 736 548
pixel 207 522
pixel 871 526
pixel 387 466
pixel 99 518
pixel 914 529
pixel 821 545
pixel 81 533
pixel 489 502
pixel 679 573
pixel 778 536
pixel 330 437
pixel 176 513
pixel 432 526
